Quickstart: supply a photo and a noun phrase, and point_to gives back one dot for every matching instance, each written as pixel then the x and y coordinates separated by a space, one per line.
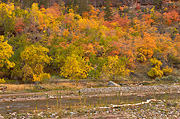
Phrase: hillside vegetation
pixel 103 43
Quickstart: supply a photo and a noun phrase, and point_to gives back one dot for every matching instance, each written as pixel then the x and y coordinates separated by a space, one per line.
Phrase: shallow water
pixel 65 103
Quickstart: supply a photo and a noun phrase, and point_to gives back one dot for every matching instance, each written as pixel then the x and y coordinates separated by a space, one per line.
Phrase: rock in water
pixel 111 83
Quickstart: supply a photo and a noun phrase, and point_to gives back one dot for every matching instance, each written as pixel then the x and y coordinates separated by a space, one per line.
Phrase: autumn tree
pixel 5 53
pixel 75 67
pixel 79 34
pixel 35 57
pixel 115 67
pixel 156 69
pixel 7 17
pixel 171 17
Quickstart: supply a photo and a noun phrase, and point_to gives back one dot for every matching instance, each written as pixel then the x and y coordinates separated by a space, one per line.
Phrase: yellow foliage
pixel 66 33
pixel 2 81
pixel 147 52
pixel 155 62
pixel 41 76
pixel 167 71
pixel 115 67
pixel 144 54
pixel 27 73
pixel 5 53
pixel 155 72
pixel 38 69
pixel 34 75
pixel 75 67
pixel 33 55
pixel 7 9
pixel 86 24
pixel 35 58
pixel 141 58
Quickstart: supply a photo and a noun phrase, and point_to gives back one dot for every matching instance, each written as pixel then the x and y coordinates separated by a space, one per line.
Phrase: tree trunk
pixel 21 4
pixel 132 3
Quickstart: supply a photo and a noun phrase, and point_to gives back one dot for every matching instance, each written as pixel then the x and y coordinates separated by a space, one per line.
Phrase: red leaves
pixel 117 21
pixel 19 25
pixel 171 17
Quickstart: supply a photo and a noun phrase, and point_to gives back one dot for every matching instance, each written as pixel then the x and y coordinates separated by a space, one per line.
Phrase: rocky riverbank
pixel 82 104
pixel 133 89
pixel 159 109
pixel 95 92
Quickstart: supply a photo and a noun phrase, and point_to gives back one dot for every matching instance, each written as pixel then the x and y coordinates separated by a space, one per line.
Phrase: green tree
pixel 108 10
pixel 18 43
pixel 82 5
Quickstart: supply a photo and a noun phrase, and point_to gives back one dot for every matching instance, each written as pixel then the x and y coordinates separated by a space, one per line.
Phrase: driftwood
pixel 137 104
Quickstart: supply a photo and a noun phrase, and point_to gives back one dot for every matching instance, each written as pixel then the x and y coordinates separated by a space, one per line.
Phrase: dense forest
pixel 80 41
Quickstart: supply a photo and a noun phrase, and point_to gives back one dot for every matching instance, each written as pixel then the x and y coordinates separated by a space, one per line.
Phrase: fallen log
pixel 136 104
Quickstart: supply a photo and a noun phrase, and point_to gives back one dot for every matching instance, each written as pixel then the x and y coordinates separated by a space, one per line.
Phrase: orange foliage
pixel 171 17
pixel 147 19
pixel 117 21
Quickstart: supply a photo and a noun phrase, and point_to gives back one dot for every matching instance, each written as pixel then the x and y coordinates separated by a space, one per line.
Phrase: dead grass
pixel 46 87
pixel 64 86
pixel 52 86
pixel 17 87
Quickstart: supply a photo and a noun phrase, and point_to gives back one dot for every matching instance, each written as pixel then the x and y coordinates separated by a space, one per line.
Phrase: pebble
pixel 57 117
pixel 51 97
pixel 71 113
pixel 14 114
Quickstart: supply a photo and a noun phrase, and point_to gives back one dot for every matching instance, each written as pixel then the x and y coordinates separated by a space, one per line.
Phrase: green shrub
pixel 169 78
pixel 174 61
pixel 146 83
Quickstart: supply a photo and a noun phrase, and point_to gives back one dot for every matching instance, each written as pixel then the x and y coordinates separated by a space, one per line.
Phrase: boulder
pixel 1 117
pixel 3 88
pixel 111 83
